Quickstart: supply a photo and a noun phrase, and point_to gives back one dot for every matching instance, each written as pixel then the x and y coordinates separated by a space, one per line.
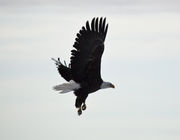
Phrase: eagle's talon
pixel 79 111
pixel 83 106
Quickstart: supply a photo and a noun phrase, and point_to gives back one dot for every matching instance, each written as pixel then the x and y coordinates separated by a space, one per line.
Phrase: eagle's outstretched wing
pixel 89 47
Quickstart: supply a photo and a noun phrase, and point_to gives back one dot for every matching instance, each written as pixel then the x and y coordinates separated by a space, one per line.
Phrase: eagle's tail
pixel 67 87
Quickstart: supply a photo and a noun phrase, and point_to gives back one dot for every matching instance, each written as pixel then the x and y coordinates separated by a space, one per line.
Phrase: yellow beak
pixel 112 86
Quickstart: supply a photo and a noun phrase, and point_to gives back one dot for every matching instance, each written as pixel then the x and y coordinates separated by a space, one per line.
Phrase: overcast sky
pixel 94 2
pixel 141 58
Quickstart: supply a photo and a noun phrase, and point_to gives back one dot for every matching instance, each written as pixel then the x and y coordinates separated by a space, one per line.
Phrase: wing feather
pixel 97 21
pixel 89 47
pixel 92 24
pixel 87 26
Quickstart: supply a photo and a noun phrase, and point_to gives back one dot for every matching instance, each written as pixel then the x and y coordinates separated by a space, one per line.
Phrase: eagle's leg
pixel 79 111
pixel 80 103
pixel 83 106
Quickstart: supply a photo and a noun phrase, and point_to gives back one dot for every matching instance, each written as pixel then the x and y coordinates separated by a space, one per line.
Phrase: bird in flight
pixel 83 74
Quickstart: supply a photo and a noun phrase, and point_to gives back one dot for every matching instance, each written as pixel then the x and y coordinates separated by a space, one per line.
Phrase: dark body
pixel 85 64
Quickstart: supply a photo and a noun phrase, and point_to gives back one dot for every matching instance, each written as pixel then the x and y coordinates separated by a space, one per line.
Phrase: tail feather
pixel 67 87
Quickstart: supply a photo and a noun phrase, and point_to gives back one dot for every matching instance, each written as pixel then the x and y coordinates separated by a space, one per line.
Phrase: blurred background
pixel 141 58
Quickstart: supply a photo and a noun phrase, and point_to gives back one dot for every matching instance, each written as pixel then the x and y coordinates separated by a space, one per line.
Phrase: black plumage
pixel 85 61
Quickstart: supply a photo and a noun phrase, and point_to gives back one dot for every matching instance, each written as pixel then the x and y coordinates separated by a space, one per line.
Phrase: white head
pixel 107 85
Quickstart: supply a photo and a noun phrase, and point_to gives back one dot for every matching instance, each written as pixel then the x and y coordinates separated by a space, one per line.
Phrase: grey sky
pixel 94 2
pixel 132 6
pixel 142 59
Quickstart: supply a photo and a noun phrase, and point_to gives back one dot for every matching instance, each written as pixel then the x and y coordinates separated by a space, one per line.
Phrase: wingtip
pixel 87 26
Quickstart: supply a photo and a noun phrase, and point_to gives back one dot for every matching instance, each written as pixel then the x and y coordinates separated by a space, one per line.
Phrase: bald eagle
pixel 83 74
